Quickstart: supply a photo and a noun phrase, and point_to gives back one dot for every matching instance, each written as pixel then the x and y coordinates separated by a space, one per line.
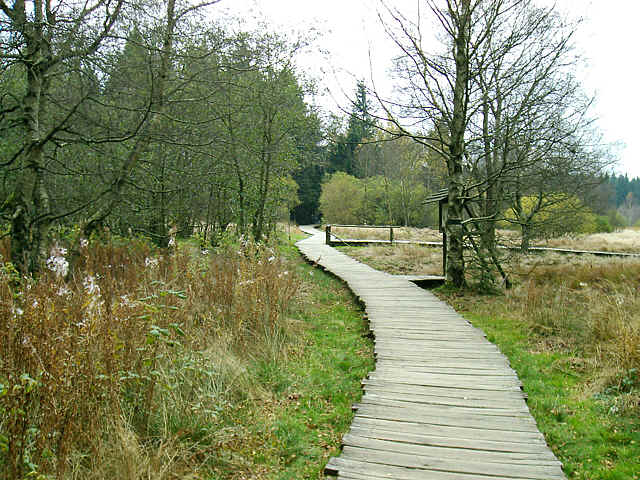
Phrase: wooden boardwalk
pixel 442 403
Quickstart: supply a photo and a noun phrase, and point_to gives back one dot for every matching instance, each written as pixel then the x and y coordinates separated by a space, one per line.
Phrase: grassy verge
pixel 589 432
pixel 299 424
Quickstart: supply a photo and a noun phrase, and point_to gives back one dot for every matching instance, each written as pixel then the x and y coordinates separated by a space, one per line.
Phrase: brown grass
pixel 152 339
pixel 627 240
pixel 399 259
pixel 400 233
pixel 588 305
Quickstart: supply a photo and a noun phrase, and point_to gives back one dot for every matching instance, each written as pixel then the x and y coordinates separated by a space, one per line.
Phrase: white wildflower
pixel 271 259
pixel 205 252
pixel 91 286
pixel 84 243
pixel 63 291
pixel 17 311
pixel 151 262
pixel 125 301
pixel 93 289
pixel 172 242
pixel 57 263
pixel 34 304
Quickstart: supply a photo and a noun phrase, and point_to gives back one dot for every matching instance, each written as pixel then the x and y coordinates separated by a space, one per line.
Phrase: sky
pixel 351 44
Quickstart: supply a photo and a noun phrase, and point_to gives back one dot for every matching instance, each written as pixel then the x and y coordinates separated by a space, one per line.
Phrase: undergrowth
pixel 134 362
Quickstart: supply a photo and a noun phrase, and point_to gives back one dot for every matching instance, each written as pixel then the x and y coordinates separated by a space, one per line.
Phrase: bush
pixel 602 224
pixel 341 200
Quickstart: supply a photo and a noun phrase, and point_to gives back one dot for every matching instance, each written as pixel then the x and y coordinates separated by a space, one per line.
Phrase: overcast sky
pixel 354 46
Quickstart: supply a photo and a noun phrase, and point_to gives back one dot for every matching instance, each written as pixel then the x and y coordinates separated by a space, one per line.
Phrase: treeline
pixel 623 197
pixel 369 173
pixel 146 118
pixel 621 187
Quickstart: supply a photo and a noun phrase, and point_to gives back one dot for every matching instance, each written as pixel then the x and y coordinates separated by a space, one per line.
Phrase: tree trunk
pixel 526 232
pixel 30 228
pixel 455 235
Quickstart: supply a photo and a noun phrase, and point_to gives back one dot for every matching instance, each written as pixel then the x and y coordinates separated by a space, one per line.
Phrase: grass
pixel 399 233
pixel 140 363
pixel 310 394
pixel 399 259
pixel 589 432
pixel 571 329
pixel 626 240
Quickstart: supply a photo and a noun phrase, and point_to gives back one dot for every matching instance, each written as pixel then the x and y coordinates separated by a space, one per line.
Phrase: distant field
pixel 627 240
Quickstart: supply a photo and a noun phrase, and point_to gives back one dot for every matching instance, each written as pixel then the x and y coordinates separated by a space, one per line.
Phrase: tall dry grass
pixel 399 233
pixel 626 240
pixel 104 367
pixel 585 304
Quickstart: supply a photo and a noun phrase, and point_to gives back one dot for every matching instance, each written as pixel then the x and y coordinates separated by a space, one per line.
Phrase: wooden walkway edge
pixel 443 402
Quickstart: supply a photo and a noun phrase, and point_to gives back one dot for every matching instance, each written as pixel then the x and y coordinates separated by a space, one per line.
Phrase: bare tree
pixel 42 38
pixel 504 104
pixel 437 94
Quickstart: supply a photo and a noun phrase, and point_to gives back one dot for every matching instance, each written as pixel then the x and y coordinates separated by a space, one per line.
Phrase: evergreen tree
pixel 360 126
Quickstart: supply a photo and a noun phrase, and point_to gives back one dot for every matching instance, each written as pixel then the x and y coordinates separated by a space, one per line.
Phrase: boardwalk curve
pixel 442 402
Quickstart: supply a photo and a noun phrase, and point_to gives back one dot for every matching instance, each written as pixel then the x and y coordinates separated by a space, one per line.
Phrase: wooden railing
pixel 328 234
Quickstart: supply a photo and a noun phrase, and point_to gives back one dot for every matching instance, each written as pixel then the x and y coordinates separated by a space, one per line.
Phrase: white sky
pixel 348 30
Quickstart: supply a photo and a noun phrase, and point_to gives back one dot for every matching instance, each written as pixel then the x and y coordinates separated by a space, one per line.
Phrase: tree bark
pixel 455 233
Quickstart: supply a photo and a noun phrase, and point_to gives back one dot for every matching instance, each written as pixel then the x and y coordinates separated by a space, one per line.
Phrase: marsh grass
pixel 157 340
pixel 399 259
pixel 399 233
pixel 138 363
pixel 626 240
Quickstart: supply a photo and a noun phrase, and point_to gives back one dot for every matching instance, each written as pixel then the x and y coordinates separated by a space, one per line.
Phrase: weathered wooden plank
pixel 484 408
pixel 447 381
pixel 449 431
pixel 452 442
pixel 434 417
pixel 451 452
pixel 460 465
pixel 505 403
pixel 365 470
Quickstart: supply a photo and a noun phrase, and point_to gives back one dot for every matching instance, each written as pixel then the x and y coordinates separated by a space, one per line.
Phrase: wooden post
pixel 443 229
pixel 390 234
pixel 327 234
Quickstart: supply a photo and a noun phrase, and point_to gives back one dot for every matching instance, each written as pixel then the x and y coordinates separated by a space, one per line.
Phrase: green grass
pixel 298 424
pixel 587 434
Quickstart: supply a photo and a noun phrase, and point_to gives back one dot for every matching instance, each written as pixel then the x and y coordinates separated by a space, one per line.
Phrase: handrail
pixel 365 226
pixel 328 233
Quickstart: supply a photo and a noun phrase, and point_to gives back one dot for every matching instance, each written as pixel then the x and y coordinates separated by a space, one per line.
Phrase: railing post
pixel 327 234
pixel 390 234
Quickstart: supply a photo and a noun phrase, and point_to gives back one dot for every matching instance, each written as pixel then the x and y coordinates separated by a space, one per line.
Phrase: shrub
pixel 341 200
